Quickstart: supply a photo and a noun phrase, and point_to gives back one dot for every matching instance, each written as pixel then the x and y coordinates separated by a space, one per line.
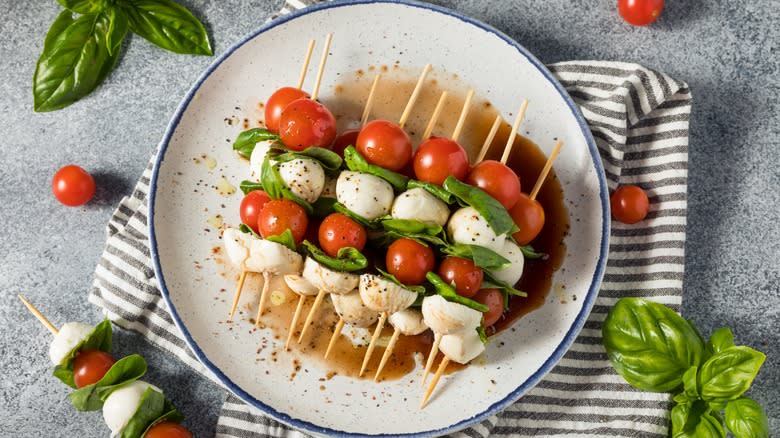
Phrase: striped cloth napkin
pixel 639 118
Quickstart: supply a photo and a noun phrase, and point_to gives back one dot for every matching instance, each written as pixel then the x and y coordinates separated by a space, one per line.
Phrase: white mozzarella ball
pixel 237 246
pixel 272 257
pixel 468 227
pixel 304 177
pixel 419 204
pixel 409 322
pixel 300 285
pixel 446 317
pixel 512 273
pixel 383 295
pixel 367 195
pixel 70 335
pixel 122 404
pixel 353 311
pixel 462 347
pixel 326 279
pixel 256 159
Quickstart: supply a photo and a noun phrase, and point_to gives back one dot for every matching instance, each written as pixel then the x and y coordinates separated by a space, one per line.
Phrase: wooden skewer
pixel 37 313
pixel 370 101
pixel 334 336
pixel 435 115
pixel 312 312
pixel 511 140
pixel 294 322
pixel 413 97
pixel 305 67
pixel 546 169
pixel 463 113
pixel 489 139
pixel 379 326
pixel 431 356
pixel 263 296
pixel 315 91
pixel 436 377
pixel 388 353
pixel 237 295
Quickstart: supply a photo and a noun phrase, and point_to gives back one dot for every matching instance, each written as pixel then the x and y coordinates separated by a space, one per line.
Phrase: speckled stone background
pixel 726 51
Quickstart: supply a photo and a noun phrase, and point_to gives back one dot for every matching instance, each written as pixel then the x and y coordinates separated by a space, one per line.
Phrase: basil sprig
pixel 247 140
pixel 286 239
pixel 98 339
pixel 79 53
pixel 420 289
pixel 358 163
pixel 347 260
pixel 655 349
pixel 329 160
pixel 433 189
pixel 488 207
pixel 274 185
pixel 449 294
pixel 126 370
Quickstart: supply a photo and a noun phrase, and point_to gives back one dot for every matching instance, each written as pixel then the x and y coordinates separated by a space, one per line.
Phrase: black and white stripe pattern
pixel 639 119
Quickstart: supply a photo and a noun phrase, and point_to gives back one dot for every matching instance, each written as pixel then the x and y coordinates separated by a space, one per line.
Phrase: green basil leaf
pixel 693 420
pixel 746 418
pixel 357 163
pixel 720 340
pixel 168 25
pixel 420 289
pixel 683 398
pixel 341 208
pixel 729 373
pixel 410 226
pixel 84 6
pixel 347 260
pixel 170 414
pixel 433 189
pixel 690 384
pixel 482 257
pixel 276 189
pixel 491 282
pixel 482 335
pixel 329 160
pixel 118 26
pixel 422 239
pixel 244 228
pixel 74 62
pixel 125 370
pixel 323 206
pixel 650 345
pixel 152 406
pixel 247 186
pixel 247 140
pixel 449 294
pixel 286 239
pixel 65 375
pixel 530 253
pixel 491 210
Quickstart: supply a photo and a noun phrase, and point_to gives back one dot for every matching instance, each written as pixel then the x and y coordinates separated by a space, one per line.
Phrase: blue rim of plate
pixel 562 347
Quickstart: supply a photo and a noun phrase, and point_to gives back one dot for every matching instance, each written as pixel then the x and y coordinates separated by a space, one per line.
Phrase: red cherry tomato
pixel 348 138
pixel 90 366
pixel 498 180
pixel 495 302
pixel 280 215
pixel 339 231
pixel 305 123
pixel 251 205
pixel 528 214
pixel 409 261
pixel 168 429
pixel 437 158
pixel 463 273
pixel 278 102
pixel 629 204
pixel 640 12
pixel 385 144
pixel 73 186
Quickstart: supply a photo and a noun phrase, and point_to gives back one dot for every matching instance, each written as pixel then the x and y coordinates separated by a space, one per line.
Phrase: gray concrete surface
pixel 725 50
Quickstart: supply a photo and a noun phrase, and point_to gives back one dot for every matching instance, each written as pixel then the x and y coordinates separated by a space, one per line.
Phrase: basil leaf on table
pixel 286 239
pixel 420 289
pixel 248 186
pixel 347 260
pixel 125 370
pixel 482 257
pixel 410 226
pixel 247 140
pixel 729 373
pixel 118 26
pixel 98 339
pixel 488 207
pixel 433 189
pixel 168 25
pixel 84 6
pixel 357 163
pixel 329 160
pixel 152 406
pixel 746 418
pixel 720 340
pixel 650 345
pixel 274 185
pixel 449 294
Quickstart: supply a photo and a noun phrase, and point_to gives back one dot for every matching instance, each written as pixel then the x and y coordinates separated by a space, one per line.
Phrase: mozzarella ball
pixel 419 204
pixel 408 322
pixel 367 195
pixel 272 257
pixel 446 317
pixel 326 279
pixel 468 227
pixel 352 310
pixel 69 337
pixel 237 246
pixel 122 404
pixel 304 177
pixel 257 158
pixel 512 273
pixel 462 347
pixel 383 295
pixel 300 285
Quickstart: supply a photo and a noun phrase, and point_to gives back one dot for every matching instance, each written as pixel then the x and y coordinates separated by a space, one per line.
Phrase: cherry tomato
pixel 495 302
pixel 90 366
pixel 629 204
pixel 73 186
pixel 282 214
pixel 339 231
pixel 498 180
pixel 437 158
pixel 251 205
pixel 528 214
pixel 464 273
pixel 640 12
pixel 168 429
pixel 409 261
pixel 347 138
pixel 385 144
pixel 304 123
pixel 278 102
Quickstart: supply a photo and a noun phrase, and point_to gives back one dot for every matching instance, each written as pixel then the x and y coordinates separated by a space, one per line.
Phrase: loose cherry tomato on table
pixel 90 366
pixel 640 12
pixel 278 102
pixel 629 204
pixel 495 302
pixel 251 205
pixel 437 158
pixel 339 231
pixel 409 261
pixel 528 214
pixel 463 273
pixel 347 138
pixel 73 186
pixel 305 123
pixel 385 144
pixel 168 429
pixel 282 214
pixel 498 180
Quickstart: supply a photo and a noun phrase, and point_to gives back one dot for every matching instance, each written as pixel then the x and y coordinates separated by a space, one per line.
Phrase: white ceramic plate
pixel 413 34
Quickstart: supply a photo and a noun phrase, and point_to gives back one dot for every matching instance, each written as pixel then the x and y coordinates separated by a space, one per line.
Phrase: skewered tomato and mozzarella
pixel 408 261
pixel 276 104
pixel 69 336
pixel 338 231
pixel 457 324
pixel 468 227
pixel 497 180
pixel 462 274
pixel 300 285
pixel 120 406
pixel 512 273
pixel 304 177
pixel 408 322
pixel 528 214
pixel 280 215
pixel 437 158
pixel 385 144
pixel 304 123
pixel 353 311
pixel 249 253
pixel 89 366
pixel 327 279
pixel 251 206
pixel 419 204
pixel 258 156
pixel 367 195
pixel 383 295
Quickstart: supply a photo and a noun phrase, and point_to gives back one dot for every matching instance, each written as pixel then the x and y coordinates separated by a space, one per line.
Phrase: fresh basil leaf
pixel 247 140
pixel 422 239
pixel 170 414
pixel 152 406
pixel 65 375
pixel 482 257
pixel 682 398
pixel 693 420
pixel 323 206
pixel 449 294
pixel 420 289
pixel 276 189
pixel 84 6
pixel 329 160
pixel 118 26
pixel 248 186
pixel 125 370
pixel 690 384
pixel 74 62
pixel 492 282
pixel 746 418
pixel 347 260
pixel 410 226
pixel 357 163
pixel 482 335
pixel 244 228
pixel 720 340
pixel 168 25
pixel 341 208
pixel 729 373
pixel 286 239
pixel 530 253
pixel 650 345
pixel 491 210
pixel 433 189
